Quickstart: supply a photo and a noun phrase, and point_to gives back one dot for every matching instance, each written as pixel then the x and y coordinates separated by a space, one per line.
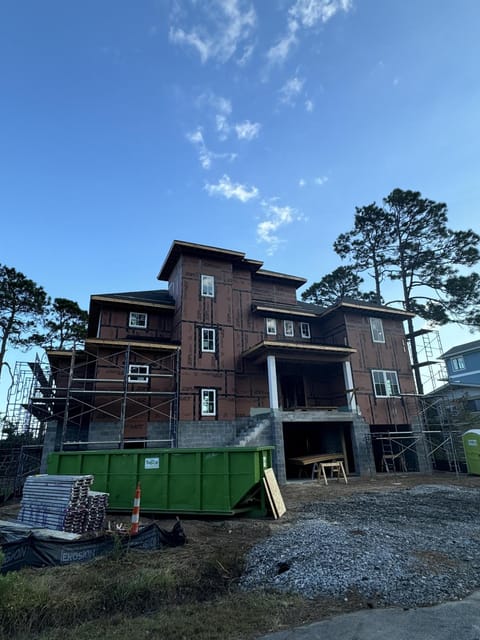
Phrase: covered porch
pixel 306 377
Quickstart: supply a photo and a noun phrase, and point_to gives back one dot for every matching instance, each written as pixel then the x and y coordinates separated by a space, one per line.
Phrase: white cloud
pixel 320 180
pixel 217 103
pixel 304 14
pixel 279 52
pixel 226 188
pixel 275 218
pixel 302 182
pixel 247 130
pixel 223 128
pixel 203 47
pixel 226 27
pixel 310 12
pixel 206 156
pixel 291 90
pixel 309 106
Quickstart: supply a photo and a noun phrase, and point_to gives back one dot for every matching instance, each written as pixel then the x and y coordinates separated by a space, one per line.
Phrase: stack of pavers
pixel 62 503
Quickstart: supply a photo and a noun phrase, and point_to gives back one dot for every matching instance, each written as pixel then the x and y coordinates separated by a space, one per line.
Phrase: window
pixel 376 326
pixel 385 383
pixel 458 363
pixel 138 320
pixel 208 286
pixel 271 326
pixel 138 373
pixel 208 398
pixel 305 330
pixel 288 328
pixel 208 340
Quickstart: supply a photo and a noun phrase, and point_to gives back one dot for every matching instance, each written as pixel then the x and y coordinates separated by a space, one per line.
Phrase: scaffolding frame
pixel 67 390
pixel 28 380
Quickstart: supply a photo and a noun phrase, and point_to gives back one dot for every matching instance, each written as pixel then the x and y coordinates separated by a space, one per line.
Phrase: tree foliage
pixel 65 325
pixel 343 282
pixel 368 243
pixel 28 318
pixel 407 241
pixel 22 304
pixel 425 256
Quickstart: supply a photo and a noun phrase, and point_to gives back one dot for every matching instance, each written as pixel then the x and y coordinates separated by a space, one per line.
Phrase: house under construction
pixel 227 356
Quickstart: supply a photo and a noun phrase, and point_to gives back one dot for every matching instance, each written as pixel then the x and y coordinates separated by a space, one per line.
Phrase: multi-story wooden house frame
pixel 227 356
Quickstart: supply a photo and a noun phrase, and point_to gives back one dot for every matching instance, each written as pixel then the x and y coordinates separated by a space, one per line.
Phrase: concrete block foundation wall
pixel 195 433
pixel 362 447
pixel 267 430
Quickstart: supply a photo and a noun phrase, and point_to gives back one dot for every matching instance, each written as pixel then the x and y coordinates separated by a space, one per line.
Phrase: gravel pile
pixel 411 547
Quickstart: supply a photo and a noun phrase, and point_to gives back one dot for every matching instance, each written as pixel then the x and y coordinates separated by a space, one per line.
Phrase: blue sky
pixel 256 126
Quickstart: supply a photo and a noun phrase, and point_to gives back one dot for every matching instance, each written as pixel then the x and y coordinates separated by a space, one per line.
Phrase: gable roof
pixel 462 348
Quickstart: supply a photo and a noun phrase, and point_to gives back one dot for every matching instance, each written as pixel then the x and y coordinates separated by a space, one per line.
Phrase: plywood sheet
pixel 273 489
pixel 270 499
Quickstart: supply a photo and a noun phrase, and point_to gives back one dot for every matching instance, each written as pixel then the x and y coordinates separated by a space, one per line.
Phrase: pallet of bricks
pixel 63 503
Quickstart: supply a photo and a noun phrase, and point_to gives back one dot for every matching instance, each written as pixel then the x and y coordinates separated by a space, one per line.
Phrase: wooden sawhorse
pixel 335 467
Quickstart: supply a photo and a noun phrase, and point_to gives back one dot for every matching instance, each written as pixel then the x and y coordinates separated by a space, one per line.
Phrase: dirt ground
pixel 206 537
pixel 243 532
pixel 222 543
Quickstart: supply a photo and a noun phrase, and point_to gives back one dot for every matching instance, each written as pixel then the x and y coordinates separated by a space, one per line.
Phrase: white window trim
pixel 207 287
pixel 458 363
pixel 208 335
pixel 133 319
pixel 386 383
pixel 378 334
pixel 138 373
pixel 271 326
pixel 305 330
pixel 291 333
pixel 211 395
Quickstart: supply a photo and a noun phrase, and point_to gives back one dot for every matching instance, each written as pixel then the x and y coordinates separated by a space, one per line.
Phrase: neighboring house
pixel 463 374
pixel 227 356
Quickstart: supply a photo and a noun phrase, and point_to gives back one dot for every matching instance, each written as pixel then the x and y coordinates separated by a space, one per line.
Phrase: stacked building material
pixel 97 510
pixel 62 503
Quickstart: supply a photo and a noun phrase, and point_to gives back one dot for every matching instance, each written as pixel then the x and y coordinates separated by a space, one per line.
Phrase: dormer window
pixel 137 320
pixel 208 286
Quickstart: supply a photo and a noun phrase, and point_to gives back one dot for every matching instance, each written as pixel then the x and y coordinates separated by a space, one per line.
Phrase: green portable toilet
pixel 471 444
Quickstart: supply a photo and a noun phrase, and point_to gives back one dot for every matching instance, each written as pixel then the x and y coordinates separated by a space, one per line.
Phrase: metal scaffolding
pixel 78 387
pixel 29 379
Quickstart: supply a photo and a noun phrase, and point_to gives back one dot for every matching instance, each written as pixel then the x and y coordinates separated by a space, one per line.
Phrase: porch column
pixel 348 378
pixel 272 382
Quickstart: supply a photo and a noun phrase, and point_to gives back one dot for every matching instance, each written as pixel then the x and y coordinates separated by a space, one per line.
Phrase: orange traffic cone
pixel 136 511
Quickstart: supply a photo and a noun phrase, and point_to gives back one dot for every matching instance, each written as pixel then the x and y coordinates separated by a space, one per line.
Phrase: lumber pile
pixel 62 503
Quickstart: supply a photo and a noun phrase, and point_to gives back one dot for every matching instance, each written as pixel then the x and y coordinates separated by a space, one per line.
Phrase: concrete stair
pixel 251 434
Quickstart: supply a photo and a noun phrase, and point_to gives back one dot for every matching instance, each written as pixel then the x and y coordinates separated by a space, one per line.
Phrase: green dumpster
pixel 197 481
pixel 471 445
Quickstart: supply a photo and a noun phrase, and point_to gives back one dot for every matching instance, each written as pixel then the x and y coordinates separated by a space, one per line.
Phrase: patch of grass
pixel 232 616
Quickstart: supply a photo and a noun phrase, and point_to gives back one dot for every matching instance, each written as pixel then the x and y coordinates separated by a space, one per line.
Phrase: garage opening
pixel 302 439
